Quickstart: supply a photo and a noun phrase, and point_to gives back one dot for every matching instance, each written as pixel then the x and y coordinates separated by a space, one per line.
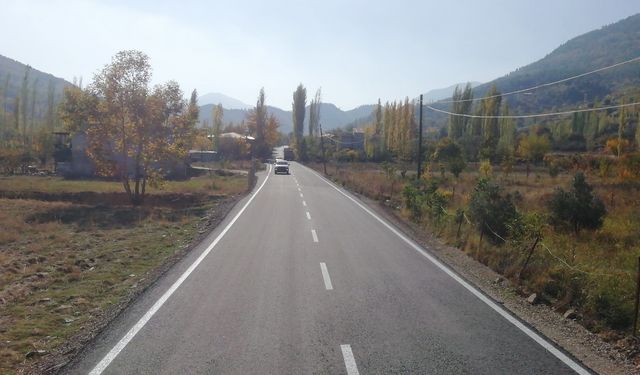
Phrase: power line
pixel 534 115
pixel 635 59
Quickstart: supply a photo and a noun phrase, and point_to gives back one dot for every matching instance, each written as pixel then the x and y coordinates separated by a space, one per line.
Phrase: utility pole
pixel 420 141
pixel 324 161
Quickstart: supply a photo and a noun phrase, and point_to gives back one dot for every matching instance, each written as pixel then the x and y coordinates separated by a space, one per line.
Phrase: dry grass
pixel 64 264
pixel 593 272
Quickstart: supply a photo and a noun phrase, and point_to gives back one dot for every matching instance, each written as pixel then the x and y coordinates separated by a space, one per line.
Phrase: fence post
pixel 635 310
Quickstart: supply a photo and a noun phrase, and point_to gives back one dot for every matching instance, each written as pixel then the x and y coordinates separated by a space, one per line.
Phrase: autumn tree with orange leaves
pixel 134 132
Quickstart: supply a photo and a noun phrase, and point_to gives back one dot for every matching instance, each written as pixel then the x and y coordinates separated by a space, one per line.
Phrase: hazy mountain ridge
pixel 216 98
pixel 606 46
pixel 331 116
pixel 446 92
pixel 14 72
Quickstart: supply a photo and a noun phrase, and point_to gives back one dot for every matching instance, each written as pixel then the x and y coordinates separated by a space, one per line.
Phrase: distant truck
pixel 288 154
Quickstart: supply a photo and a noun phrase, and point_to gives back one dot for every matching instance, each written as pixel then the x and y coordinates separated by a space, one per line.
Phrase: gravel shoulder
pixel 602 357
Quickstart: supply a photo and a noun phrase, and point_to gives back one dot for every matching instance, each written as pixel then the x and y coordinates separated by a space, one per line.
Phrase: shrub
pixel 613 303
pixel 578 208
pixel 491 210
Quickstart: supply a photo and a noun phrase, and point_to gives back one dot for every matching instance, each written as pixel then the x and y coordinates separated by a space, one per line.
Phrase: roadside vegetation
pixel 551 205
pixel 591 271
pixel 72 253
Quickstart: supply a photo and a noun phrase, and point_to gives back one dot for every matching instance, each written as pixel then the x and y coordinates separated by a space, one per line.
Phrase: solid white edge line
pixel 497 308
pixel 308 216
pixel 325 277
pixel 315 235
pixel 349 360
pixel 113 353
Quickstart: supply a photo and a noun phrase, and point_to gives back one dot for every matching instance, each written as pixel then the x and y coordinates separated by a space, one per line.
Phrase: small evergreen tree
pixel 578 208
pixel 491 210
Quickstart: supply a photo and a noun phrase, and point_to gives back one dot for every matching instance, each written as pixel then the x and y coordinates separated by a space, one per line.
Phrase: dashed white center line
pixel 301 196
pixel 328 286
pixel 349 360
pixel 315 235
pixel 304 203
pixel 308 216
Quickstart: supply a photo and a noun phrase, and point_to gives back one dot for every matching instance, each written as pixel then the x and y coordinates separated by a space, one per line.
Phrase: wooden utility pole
pixel 635 310
pixel 324 160
pixel 420 141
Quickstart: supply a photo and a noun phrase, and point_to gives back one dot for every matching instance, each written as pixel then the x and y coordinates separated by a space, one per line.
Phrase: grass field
pixel 67 264
pixel 592 272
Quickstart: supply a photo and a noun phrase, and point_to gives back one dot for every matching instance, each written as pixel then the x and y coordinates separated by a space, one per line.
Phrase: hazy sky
pixel 357 51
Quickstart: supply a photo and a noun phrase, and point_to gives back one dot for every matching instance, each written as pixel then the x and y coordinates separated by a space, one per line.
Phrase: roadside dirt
pixel 173 200
pixel 53 362
pixel 590 349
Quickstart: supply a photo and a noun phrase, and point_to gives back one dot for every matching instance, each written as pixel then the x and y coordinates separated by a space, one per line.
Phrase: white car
pixel 281 166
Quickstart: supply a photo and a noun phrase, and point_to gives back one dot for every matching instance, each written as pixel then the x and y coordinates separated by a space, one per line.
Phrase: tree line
pixel 28 118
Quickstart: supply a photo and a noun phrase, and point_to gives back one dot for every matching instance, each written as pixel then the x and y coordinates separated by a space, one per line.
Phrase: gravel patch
pixel 590 349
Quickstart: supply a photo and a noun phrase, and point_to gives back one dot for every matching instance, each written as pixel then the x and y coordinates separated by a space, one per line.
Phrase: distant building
pixel 353 140
pixel 70 155
pixel 72 160
pixel 202 156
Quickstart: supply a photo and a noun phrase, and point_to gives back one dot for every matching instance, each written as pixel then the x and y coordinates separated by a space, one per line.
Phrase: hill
pixel 331 116
pixel 216 98
pixel 12 74
pixel 439 94
pixel 606 46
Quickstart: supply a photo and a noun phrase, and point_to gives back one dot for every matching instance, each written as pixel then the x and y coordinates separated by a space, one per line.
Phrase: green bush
pixel 577 208
pixel 613 303
pixel 491 210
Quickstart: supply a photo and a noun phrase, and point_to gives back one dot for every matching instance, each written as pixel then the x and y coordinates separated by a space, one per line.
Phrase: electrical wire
pixel 534 115
pixel 635 59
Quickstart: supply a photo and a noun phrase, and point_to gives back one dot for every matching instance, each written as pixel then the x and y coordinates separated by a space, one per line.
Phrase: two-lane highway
pixel 303 279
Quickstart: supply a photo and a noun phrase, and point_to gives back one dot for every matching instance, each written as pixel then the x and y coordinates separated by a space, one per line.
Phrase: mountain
pixel 447 92
pixel 216 98
pixel 12 74
pixel 606 46
pixel 331 116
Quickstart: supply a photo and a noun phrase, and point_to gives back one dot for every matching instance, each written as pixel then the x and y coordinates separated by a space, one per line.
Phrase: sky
pixel 356 50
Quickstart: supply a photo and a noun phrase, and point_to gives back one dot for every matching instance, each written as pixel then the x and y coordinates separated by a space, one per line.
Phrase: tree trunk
pixel 526 262
pixel 480 243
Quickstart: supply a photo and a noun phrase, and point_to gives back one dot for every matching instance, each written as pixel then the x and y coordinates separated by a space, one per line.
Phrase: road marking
pixel 113 353
pixel 325 277
pixel 349 360
pixel 304 203
pixel 308 216
pixel 301 196
pixel 575 366
pixel 315 236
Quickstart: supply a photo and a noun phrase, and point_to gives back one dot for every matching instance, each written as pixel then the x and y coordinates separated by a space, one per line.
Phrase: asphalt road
pixel 301 279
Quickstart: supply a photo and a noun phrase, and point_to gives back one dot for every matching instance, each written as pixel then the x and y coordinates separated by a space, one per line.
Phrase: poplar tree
pixel 506 142
pixel 218 115
pixel 299 107
pixel 24 102
pixel 622 118
pixel 314 113
pixel 456 125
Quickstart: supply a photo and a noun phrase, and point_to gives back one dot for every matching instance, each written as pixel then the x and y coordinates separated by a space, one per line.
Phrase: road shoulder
pixel 585 346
